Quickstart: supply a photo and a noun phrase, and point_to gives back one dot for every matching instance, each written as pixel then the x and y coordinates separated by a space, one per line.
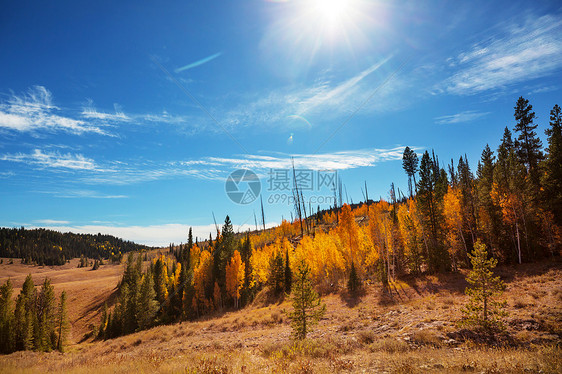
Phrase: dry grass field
pixel 411 330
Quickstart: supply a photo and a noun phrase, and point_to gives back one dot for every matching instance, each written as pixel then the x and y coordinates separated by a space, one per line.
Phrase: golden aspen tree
pixel 453 223
pixel 235 277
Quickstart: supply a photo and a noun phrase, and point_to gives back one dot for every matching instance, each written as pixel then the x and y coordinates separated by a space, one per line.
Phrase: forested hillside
pixel 48 247
pixel 511 206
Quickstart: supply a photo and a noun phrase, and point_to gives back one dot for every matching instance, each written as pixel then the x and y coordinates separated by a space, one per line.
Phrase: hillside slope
pixel 411 330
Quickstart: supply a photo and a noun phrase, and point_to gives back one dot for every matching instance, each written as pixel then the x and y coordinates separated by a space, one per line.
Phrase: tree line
pixel 37 322
pixel 48 247
pixel 511 205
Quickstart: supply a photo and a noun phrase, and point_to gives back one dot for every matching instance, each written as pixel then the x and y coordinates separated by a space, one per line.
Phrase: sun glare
pixel 330 11
pixel 329 17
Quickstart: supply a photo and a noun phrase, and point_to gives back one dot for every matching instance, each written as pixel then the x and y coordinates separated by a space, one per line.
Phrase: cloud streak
pixel 52 160
pixel 88 171
pixel 466 116
pixel 521 52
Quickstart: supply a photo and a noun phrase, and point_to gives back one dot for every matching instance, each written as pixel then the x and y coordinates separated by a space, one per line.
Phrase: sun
pixel 330 12
pixel 328 18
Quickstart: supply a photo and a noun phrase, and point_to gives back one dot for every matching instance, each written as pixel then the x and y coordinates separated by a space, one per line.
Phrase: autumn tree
pixel 453 222
pixel 307 307
pixel 235 277
pixel 483 310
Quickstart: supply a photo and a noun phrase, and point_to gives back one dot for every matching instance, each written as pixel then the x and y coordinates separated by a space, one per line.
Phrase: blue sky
pixel 127 118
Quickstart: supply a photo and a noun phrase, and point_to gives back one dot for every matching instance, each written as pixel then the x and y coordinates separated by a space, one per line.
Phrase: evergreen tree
pixel 552 177
pixel 277 273
pixel 63 326
pixel 307 307
pixel 528 145
pixel 288 274
pixel 102 330
pixel 44 334
pixel 246 295
pixel 430 200
pixel 147 304
pixel 24 315
pixel 482 309
pixel 410 165
pixel 224 249
pixel 353 283
pixel 7 343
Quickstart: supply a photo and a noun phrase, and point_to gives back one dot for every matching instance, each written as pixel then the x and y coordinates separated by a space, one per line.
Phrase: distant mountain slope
pixel 48 247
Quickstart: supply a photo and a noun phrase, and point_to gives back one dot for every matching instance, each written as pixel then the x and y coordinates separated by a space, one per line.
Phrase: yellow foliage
pixel 235 277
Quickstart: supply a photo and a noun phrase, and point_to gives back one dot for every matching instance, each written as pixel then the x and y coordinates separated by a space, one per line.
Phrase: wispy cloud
pixel 80 194
pixel 520 52
pixel 90 112
pixel 327 161
pixel 52 160
pixel 87 171
pixel 466 116
pixel 321 101
pixel 35 111
pixel 51 222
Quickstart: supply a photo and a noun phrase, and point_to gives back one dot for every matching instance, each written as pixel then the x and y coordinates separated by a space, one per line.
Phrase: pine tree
pixel 288 274
pixel 102 330
pixel 277 273
pixel 528 145
pixel 431 189
pixel 44 339
pixel 482 309
pixel 25 314
pixel 410 165
pixel 552 177
pixel 63 326
pixel 307 307
pixel 353 283
pixel 7 343
pixel 147 304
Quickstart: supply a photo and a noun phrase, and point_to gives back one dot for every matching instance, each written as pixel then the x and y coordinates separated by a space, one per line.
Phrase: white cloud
pixel 519 53
pixel 207 168
pixel 51 222
pixel 300 106
pixel 35 111
pixel 52 160
pixel 91 113
pixel 326 161
pixel 466 116
pixel 153 235
pixel 71 194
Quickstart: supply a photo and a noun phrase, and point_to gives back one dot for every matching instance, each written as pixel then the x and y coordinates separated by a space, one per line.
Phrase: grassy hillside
pixel 412 329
